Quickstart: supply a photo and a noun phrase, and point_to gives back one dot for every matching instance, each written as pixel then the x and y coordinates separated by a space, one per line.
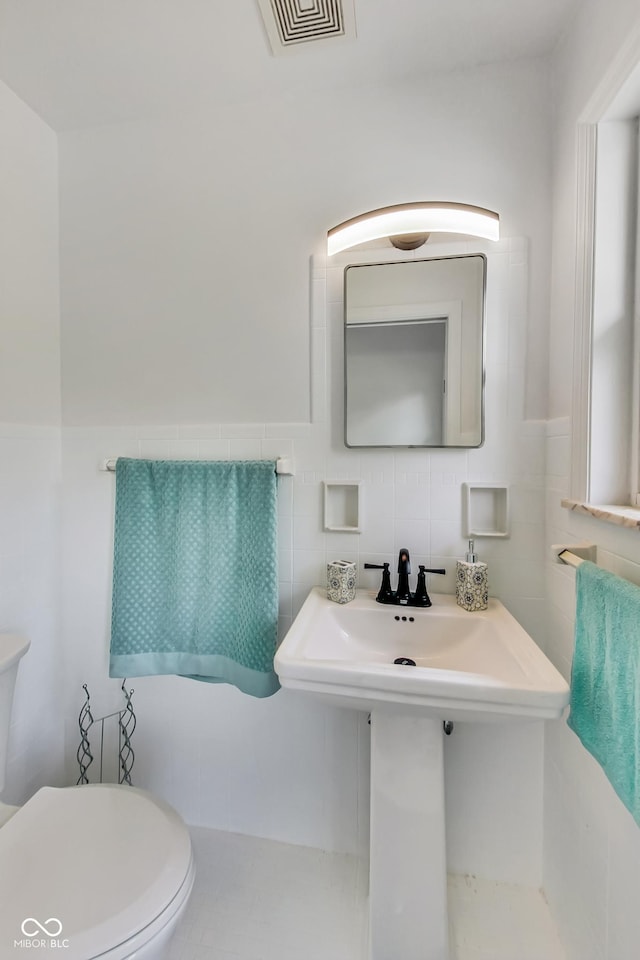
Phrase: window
pixel 613 475
pixel 606 409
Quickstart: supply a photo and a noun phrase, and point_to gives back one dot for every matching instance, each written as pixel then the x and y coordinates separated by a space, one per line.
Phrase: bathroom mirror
pixel 414 352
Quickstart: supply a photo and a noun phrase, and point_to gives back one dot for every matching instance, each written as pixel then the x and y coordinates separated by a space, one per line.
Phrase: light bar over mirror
pixel 418 219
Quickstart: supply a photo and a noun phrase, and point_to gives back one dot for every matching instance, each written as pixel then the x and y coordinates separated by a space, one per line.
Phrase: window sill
pixel 610 513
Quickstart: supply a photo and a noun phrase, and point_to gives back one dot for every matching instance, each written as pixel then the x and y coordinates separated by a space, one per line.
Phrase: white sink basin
pixel 469 666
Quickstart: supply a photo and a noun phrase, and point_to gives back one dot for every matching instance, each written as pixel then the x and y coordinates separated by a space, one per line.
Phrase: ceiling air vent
pixel 290 23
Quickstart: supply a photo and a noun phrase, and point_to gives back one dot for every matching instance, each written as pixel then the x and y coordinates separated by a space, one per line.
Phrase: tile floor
pixel 499 921
pixel 261 900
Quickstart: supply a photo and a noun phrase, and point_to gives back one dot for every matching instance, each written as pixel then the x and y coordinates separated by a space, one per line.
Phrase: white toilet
pixel 101 871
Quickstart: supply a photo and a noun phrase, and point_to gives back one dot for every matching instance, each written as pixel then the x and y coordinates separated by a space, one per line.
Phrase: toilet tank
pixel 12 648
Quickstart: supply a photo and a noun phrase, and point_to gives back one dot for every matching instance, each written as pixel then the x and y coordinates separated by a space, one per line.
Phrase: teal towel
pixel 605 678
pixel 195 587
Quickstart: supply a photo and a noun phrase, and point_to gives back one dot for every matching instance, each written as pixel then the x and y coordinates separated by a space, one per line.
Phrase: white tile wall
pixel 289 769
pixel 591 842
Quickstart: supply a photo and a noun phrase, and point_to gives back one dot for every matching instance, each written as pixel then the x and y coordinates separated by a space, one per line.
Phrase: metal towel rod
pixel 567 557
pixel 574 554
pixel 284 466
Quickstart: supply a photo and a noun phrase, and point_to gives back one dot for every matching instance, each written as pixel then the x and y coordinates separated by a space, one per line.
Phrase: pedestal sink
pixel 475 667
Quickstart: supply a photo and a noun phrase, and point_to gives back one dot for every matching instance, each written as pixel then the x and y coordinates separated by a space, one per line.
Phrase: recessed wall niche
pixel 342 506
pixel 485 510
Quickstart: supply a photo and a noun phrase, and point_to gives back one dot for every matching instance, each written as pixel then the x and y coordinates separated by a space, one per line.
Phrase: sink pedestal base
pixel 408 874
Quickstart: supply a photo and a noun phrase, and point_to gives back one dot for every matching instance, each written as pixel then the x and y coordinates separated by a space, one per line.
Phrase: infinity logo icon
pixel 51 927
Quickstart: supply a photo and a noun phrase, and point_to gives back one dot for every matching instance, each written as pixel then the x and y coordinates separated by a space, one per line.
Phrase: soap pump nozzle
pixel 471 557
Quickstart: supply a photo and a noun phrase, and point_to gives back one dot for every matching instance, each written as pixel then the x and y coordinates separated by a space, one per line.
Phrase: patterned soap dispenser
pixel 472 584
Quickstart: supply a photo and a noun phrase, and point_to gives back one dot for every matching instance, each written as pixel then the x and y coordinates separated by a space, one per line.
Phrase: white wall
pixel 186 335
pixel 185 244
pixel 592 845
pixel 30 438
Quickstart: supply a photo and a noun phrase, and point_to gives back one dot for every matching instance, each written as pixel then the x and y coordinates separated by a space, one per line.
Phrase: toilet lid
pixel 89 867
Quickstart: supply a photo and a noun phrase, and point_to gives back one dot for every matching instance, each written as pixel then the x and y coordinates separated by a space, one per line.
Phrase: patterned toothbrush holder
pixel 341 581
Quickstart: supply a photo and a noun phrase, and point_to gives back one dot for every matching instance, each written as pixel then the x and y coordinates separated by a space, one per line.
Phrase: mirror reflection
pixel 414 339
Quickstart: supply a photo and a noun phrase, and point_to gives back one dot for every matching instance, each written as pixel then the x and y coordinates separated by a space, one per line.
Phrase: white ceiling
pixel 85 62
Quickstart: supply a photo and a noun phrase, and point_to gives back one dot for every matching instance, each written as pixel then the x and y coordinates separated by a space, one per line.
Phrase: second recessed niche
pixel 485 510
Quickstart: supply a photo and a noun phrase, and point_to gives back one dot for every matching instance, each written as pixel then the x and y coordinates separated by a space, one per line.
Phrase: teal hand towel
pixel 195 588
pixel 605 678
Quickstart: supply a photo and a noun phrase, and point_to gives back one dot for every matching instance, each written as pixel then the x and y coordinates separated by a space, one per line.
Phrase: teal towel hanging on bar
pixel 195 582
pixel 605 677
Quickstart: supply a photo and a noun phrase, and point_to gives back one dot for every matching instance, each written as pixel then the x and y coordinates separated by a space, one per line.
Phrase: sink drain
pixel 405 661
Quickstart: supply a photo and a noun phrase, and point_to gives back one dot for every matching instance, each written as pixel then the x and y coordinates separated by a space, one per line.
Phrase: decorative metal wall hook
pixel 126 726
pixel 83 753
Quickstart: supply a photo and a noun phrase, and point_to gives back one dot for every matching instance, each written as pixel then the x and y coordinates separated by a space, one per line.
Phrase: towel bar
pixel 567 557
pixel 284 466
pixel 573 554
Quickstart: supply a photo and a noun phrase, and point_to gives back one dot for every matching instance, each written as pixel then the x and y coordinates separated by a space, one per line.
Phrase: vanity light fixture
pixel 408 225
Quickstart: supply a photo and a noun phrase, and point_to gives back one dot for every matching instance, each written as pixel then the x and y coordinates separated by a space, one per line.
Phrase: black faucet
pixel 403 596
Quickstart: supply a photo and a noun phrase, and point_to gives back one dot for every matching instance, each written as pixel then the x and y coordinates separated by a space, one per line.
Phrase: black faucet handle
pixel 421 598
pixel 385 593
